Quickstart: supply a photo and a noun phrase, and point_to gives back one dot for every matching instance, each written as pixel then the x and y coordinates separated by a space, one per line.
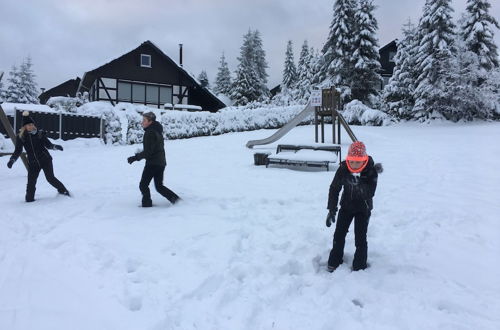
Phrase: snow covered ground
pixel 247 247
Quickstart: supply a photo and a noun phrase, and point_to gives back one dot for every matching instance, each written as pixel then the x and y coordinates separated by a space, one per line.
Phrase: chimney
pixel 43 90
pixel 180 54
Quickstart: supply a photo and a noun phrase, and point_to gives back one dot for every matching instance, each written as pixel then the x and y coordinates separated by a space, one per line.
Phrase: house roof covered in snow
pixel 67 88
pixel 163 70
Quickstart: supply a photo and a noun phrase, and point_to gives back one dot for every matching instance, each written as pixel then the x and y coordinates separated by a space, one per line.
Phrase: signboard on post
pixel 316 99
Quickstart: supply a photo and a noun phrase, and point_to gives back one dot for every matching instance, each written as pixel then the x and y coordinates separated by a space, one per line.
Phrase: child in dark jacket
pixel 357 175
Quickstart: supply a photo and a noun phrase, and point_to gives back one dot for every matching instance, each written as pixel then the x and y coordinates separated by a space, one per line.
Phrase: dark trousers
pixel 34 171
pixel 344 220
pixel 156 172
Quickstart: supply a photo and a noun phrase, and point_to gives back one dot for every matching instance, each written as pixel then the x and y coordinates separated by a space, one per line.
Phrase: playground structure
pixel 325 104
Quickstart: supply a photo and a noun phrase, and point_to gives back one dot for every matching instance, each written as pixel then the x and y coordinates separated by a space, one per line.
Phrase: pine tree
pixel 365 78
pixel 260 65
pixel 468 101
pixel 28 86
pixel 478 30
pixel 247 84
pixel 434 62
pixel 338 65
pixel 398 93
pixel 223 79
pixel 203 79
pixel 12 94
pixel 305 72
pixel 251 77
pixel 289 71
pixel 2 92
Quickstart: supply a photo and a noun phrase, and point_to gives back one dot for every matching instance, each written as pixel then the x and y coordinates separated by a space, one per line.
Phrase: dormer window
pixel 145 61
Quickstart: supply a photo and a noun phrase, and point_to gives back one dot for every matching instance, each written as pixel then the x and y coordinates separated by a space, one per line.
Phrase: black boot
pixel 65 193
pixel 147 203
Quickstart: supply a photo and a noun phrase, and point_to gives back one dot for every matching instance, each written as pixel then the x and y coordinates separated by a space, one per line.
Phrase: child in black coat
pixel 357 175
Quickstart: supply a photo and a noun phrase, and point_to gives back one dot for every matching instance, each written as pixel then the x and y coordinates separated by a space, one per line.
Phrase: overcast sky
pixel 67 38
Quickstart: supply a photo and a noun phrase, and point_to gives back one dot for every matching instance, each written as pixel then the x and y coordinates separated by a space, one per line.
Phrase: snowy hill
pixel 247 247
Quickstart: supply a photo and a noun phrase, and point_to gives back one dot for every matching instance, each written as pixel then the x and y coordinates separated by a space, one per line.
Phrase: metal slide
pixel 285 129
pixel 347 127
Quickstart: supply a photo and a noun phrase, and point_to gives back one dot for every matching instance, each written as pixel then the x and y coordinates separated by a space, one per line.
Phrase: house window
pixel 152 94
pixel 165 95
pixel 138 93
pixel 391 56
pixel 145 61
pixel 124 91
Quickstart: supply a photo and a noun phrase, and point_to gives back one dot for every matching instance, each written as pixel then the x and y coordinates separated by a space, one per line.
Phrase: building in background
pixel 145 75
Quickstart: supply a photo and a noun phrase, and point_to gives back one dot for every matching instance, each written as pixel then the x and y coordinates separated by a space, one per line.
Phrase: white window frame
pixel 148 56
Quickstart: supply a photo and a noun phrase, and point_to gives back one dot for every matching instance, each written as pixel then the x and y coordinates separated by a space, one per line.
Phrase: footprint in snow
pixel 132 265
pixel 135 303
pixel 358 303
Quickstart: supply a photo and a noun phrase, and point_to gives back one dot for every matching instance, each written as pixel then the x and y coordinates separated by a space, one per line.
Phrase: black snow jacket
pixel 36 146
pixel 359 189
pixel 153 145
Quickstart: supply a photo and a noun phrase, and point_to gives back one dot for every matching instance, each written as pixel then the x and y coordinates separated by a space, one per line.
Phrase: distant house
pixel 387 54
pixel 146 76
pixel 67 88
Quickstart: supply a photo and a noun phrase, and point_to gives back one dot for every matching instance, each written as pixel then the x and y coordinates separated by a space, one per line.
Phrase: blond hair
pixel 21 131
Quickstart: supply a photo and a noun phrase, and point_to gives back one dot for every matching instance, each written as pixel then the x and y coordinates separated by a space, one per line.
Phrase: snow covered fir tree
pixel 444 70
pixel 2 91
pixel 365 77
pixel 250 82
pixel 305 73
pixel 398 93
pixel 477 32
pixel 288 93
pixel 223 79
pixel 22 87
pixel 289 70
pixel 203 79
pixel 337 63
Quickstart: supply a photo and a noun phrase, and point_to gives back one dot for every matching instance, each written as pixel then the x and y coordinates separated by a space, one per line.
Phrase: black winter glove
pixel 330 218
pixel 58 147
pixel 10 163
pixel 131 159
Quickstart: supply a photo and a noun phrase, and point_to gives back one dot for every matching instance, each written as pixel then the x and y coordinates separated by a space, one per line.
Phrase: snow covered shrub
pixel 135 132
pixel 180 124
pixel 68 104
pixel 356 113
pixel 112 120
pixel 63 103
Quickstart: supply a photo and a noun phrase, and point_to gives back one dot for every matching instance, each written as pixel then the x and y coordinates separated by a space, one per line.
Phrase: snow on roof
pixel 192 76
pixel 10 108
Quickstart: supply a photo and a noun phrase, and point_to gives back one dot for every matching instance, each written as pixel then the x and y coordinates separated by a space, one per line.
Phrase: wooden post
pixel 333 114
pixel 6 124
pixel 316 123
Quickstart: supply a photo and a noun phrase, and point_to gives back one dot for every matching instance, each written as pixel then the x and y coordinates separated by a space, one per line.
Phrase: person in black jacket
pixel 357 175
pixel 154 153
pixel 35 142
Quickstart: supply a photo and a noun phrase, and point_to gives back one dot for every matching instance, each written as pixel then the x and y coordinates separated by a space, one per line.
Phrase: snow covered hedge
pixel 123 121
pixel 356 113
